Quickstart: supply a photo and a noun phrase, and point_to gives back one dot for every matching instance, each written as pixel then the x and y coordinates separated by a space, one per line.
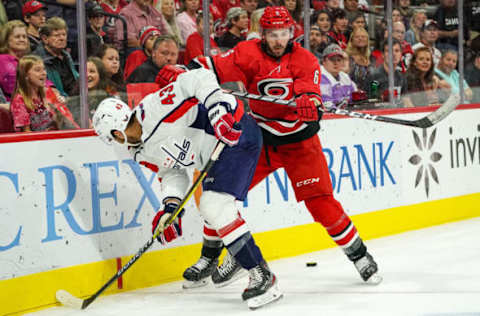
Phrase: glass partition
pixel 394 53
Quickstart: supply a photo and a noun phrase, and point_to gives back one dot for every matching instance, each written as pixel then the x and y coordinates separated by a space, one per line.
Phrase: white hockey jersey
pixel 176 133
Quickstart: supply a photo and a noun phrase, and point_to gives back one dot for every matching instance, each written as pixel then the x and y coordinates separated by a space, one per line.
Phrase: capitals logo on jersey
pixel 275 87
pixel 178 155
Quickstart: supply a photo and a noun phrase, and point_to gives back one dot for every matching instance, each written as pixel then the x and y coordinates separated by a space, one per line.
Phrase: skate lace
pixel 228 265
pixel 202 263
pixel 256 277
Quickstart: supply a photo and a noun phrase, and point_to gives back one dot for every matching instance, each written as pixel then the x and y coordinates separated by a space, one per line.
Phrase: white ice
pixel 433 271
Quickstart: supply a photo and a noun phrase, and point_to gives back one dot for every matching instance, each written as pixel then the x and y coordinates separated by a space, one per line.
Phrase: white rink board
pixel 58 209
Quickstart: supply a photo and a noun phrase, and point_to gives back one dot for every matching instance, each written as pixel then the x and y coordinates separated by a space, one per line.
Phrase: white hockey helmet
pixel 111 114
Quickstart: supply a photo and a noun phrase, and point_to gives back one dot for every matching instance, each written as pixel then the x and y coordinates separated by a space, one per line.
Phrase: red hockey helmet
pixel 276 18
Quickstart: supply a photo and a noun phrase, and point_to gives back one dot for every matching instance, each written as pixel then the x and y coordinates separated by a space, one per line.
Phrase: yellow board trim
pixel 37 291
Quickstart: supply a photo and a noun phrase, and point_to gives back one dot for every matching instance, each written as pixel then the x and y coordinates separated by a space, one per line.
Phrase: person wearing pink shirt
pixel 186 19
pixel 14 44
pixel 138 14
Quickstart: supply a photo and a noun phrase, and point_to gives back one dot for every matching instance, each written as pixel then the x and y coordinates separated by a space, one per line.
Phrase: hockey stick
pixel 69 300
pixel 427 121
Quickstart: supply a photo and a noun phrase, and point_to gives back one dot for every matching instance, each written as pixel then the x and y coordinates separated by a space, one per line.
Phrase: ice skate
pixel 228 272
pixel 262 288
pixel 368 269
pixel 198 274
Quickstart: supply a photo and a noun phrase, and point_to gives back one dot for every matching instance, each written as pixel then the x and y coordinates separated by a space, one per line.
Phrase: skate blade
pixel 374 279
pixel 194 284
pixel 272 295
pixel 242 273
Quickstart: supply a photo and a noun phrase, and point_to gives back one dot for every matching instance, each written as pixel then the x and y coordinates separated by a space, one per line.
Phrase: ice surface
pixel 433 272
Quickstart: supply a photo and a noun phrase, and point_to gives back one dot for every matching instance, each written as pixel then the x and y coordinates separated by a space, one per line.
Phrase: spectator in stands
pixel 322 19
pixel 358 50
pixel 339 27
pixel 99 88
pixel 96 22
pixel 428 38
pixel 167 8
pixel 225 5
pixel 165 51
pixel 396 16
pixel 148 34
pixel 380 74
pixel 195 45
pixel 332 5
pixel 138 14
pixel 58 62
pixel 351 8
pixel 473 14
pixel 34 14
pixel 335 85
pixel 405 10
pixel 187 18
pixel 398 30
pixel 318 41
pixel 112 7
pixel 295 8
pixel 356 20
pixel 472 75
pixel 416 22
pixel 29 108
pixel 249 5
pixel 446 17
pixel 13 46
pixel 237 19
pixel 254 31
pixel 422 84
pixel 446 70
pixel 110 57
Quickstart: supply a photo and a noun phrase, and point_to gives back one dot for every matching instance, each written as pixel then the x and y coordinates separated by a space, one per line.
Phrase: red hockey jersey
pixel 296 72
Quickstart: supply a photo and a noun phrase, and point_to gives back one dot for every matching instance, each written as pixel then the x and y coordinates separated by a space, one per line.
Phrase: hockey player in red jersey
pixel 277 66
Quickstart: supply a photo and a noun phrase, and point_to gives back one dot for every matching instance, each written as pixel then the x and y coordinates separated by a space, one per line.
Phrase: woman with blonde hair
pixel 167 8
pixel 14 44
pixel 254 31
pixel 358 50
pixel 419 17
pixel 29 107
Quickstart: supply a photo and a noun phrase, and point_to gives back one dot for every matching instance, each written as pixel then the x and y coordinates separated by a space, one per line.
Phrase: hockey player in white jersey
pixel 176 129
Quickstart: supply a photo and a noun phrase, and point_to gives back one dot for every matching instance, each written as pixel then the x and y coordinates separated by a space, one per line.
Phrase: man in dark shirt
pixel 58 62
pixel 380 74
pixel 237 23
pixel 446 17
pixel 165 51
pixel 472 75
pixel 473 13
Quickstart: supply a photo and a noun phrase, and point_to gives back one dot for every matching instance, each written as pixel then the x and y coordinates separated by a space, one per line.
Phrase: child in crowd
pixel 111 61
pixel 147 36
pixel 29 107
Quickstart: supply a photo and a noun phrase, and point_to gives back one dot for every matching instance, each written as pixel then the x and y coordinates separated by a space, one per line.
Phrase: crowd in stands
pixel 39 78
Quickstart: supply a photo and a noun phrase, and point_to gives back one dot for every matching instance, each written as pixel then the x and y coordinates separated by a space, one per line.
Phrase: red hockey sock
pixel 329 212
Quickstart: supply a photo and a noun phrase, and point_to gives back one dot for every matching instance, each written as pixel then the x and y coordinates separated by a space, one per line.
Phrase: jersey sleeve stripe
pixel 180 111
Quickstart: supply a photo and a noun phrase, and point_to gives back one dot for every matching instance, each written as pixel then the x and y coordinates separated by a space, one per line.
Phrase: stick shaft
pixel 424 122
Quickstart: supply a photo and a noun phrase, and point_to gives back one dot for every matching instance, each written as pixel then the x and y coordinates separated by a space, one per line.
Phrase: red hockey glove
pixel 307 107
pixel 168 74
pixel 171 232
pixel 226 129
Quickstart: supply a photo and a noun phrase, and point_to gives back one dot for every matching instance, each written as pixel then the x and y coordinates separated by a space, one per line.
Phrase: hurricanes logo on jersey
pixel 275 87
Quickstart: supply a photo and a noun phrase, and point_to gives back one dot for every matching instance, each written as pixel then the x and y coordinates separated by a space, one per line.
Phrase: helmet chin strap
pixel 126 143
